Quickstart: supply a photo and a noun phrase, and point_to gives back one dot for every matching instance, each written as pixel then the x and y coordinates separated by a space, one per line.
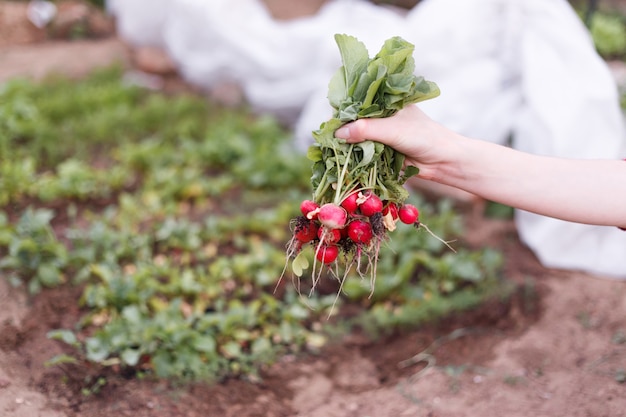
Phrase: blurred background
pixel 149 173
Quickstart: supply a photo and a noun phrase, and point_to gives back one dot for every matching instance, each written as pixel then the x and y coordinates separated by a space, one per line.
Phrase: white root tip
pixel 447 243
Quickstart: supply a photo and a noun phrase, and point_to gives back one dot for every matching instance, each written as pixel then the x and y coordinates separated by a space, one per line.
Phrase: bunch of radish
pixel 355 228
pixel 358 189
pixel 359 224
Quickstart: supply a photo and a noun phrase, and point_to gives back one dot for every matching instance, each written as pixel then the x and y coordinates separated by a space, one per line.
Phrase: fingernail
pixel 342 132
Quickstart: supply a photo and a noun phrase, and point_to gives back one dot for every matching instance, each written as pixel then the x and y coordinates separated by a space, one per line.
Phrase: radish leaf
pixel 366 88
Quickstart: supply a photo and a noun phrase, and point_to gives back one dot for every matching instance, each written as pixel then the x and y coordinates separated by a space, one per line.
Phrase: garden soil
pixel 557 347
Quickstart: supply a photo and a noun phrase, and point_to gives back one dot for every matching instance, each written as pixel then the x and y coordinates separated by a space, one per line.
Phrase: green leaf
pixel 337 89
pixel 372 111
pixel 363 85
pixel 399 84
pixel 355 58
pixel 465 268
pixel 314 153
pixel 162 362
pixel 96 349
pixel 325 136
pixel 231 350
pixel 261 346
pixel 130 356
pixel 205 344
pixel 318 170
pixel 425 90
pixel 48 275
pixel 375 85
pixel 396 54
pixel 132 314
pixel 299 264
pixel 368 149
pixel 66 336
pixel 348 111
pixel 60 360
pixel 409 171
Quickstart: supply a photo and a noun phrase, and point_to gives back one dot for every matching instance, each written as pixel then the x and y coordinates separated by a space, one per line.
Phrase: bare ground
pixel 558 348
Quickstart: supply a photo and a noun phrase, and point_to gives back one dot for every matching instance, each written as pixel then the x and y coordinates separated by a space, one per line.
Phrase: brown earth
pixel 557 348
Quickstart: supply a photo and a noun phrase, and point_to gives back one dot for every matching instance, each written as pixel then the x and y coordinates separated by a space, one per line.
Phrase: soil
pixel 555 348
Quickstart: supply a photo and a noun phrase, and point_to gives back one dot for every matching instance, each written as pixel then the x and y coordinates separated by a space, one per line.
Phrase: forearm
pixel 585 191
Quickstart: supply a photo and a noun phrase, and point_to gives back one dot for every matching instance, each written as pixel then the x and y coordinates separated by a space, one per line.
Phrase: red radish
pixel 309 207
pixel 372 204
pixel 327 253
pixel 332 216
pixel 329 236
pixel 344 232
pixel 306 230
pixel 350 203
pixel 392 208
pixel 408 214
pixel 360 231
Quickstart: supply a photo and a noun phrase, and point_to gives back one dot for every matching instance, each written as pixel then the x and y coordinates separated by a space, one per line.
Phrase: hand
pixel 425 143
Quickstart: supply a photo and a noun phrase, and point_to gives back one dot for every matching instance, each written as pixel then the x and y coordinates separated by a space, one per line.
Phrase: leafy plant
pixel 33 251
pixel 608 31
pixel 171 215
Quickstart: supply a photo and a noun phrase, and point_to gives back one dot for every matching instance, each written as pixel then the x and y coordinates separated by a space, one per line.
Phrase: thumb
pixel 377 129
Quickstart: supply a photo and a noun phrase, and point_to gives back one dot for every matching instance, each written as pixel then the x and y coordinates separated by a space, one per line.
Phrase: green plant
pixel 33 252
pixel 171 213
pixel 608 31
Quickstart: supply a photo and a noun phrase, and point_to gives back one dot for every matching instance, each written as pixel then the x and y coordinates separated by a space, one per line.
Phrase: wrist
pixel 444 162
